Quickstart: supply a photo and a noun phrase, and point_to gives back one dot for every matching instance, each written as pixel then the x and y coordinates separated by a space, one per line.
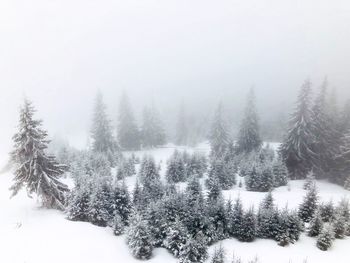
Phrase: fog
pixel 59 53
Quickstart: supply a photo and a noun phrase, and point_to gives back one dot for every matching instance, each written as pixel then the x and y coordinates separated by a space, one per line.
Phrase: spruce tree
pixel 219 137
pixel 176 238
pixel 310 181
pixel 297 147
pixel 102 133
pixel 309 206
pixel 121 202
pixel 100 205
pixel 78 203
pixel 249 135
pixel 315 226
pixel 280 173
pixel 327 211
pixel 218 171
pixel 325 238
pixel 127 131
pixel 176 168
pixel 248 227
pixel 219 255
pixel 194 250
pixel 35 170
pixel 341 169
pixel 139 239
pixel 339 226
pixel 118 225
pixel 237 218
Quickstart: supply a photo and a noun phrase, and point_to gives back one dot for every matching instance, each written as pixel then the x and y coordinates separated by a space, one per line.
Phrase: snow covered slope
pixel 29 234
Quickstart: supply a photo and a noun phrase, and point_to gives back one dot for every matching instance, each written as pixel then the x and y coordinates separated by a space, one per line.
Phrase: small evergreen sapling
pixel 219 255
pixel 195 250
pixel 315 226
pixel 118 225
pixel 176 238
pixel 248 227
pixel 139 239
pixel 325 239
pixel 309 206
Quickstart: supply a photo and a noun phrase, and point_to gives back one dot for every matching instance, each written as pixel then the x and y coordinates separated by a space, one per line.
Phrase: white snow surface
pixel 30 234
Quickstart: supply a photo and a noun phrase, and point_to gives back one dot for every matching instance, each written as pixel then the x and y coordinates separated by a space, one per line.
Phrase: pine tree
pixel 139 238
pixel 182 127
pixel 194 250
pixel 309 206
pixel 218 171
pixel 341 169
pixel 267 218
pixel 315 226
pixel 325 239
pixel 102 133
pixel 148 170
pixel 121 202
pixel 127 131
pixel 219 137
pixel 219 255
pixel 35 170
pixel 248 227
pixel 339 226
pixel 296 149
pixel 176 238
pixel 197 165
pixel 249 134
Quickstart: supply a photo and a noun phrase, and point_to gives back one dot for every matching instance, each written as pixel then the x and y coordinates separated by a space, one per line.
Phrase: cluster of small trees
pixel 181 166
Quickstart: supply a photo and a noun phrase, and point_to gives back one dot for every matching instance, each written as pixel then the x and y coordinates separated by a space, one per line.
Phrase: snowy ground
pixel 29 234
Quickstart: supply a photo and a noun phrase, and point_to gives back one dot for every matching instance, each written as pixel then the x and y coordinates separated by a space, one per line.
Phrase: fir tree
pixel 139 238
pixel 309 206
pixel 237 218
pixel 310 181
pixel 219 137
pixel 197 165
pixel 78 204
pixel 325 239
pixel 315 226
pixel 296 149
pixel 249 134
pixel 148 170
pixel 341 169
pixel 100 205
pixel 101 131
pixel 121 202
pixel 35 170
pixel 218 171
pixel 127 131
pixel 339 226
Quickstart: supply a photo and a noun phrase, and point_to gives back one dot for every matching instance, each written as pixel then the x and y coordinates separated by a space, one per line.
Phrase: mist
pixel 60 53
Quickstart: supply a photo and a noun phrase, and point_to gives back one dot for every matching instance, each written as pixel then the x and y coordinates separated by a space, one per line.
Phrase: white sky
pixel 59 52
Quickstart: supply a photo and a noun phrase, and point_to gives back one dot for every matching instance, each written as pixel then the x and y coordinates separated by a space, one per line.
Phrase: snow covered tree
pixel 341 169
pixel 176 168
pixel 325 134
pixel 219 255
pixel 218 171
pixel 139 238
pixel 152 131
pixel 182 127
pixel 127 131
pixel 339 226
pixel 78 203
pixel 315 226
pixel 327 211
pixel 248 226
pixel 176 237
pixel 126 168
pixel 121 202
pixel 35 170
pixel 197 165
pixel 260 178
pixel 325 238
pixel 280 173
pixel 219 137
pixel 102 132
pixel 249 135
pixel 297 147
pixel 194 250
pixel 148 170
pixel 236 220
pixel 267 218
pixel 100 205
pixel 309 206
